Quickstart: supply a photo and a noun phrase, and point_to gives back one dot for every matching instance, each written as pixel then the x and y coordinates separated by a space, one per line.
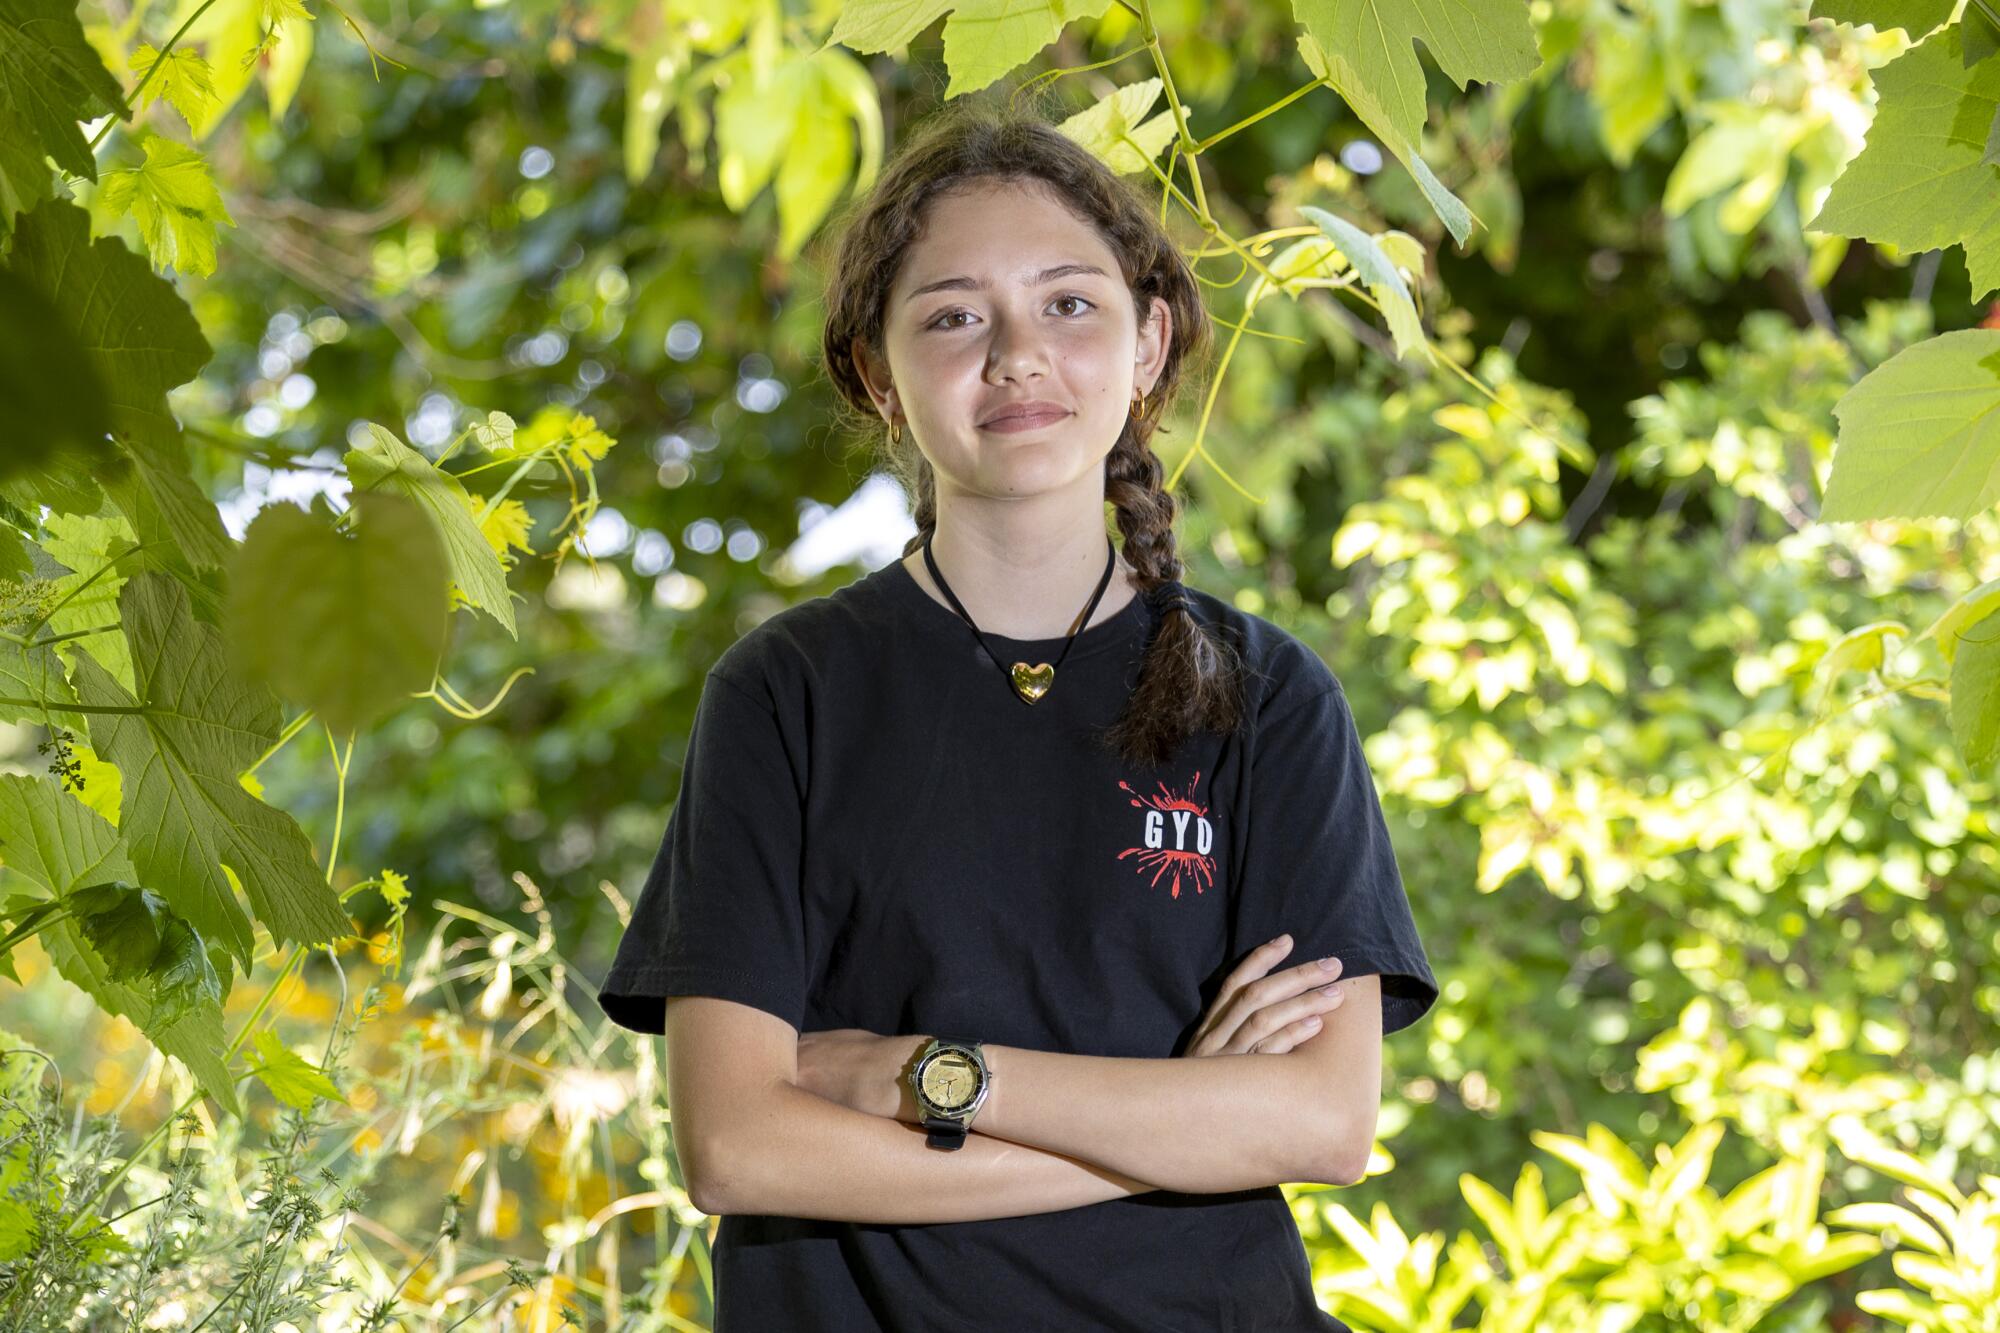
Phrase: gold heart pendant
pixel 1031 683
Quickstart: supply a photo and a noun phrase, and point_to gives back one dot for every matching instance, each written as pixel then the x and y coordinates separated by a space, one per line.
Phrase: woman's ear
pixel 875 379
pixel 1156 336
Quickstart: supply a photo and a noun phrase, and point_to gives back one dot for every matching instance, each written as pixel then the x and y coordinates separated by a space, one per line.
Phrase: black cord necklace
pixel 1030 683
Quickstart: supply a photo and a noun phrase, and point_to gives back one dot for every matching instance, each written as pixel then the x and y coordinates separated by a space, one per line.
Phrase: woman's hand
pixel 861 1069
pixel 1267 1014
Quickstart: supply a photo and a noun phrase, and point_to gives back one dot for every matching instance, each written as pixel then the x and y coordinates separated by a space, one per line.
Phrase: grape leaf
pixel 1488 40
pixel 50 78
pixel 1914 17
pixel 55 402
pixel 125 924
pixel 55 842
pixel 174 200
pixel 1920 182
pixel 183 79
pixel 292 1079
pixel 1920 434
pixel 138 333
pixel 1342 77
pixel 1975 699
pixel 385 463
pixel 349 625
pixel 983 39
pixel 184 811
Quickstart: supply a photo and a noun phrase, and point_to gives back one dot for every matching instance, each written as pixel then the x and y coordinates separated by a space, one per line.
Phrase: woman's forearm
pixel 1231 1122
pixel 797 1154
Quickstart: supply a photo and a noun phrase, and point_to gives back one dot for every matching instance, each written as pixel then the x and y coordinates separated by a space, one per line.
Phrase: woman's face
pixel 997 305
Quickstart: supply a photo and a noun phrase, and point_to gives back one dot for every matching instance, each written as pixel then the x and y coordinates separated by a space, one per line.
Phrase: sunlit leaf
pixel 1920 183
pixel 184 812
pixel 173 199
pixel 1920 433
pixel 384 462
pixel 348 624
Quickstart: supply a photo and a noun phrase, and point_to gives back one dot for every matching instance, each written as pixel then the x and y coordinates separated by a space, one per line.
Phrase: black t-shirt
pixel 873 831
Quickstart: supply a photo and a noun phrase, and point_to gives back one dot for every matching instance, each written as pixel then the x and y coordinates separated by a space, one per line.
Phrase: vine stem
pixel 151 70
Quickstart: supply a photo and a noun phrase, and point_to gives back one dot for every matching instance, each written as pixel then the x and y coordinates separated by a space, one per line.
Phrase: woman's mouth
pixel 1025 421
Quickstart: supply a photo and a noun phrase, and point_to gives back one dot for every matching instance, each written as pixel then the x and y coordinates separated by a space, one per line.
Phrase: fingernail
pixel 1328 964
pixel 1312 1022
pixel 1282 939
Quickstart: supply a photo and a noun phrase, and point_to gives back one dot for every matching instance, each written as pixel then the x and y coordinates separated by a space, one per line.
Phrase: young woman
pixel 973 854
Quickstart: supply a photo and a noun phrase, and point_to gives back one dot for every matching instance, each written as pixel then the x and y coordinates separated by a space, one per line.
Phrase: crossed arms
pixel 1057 1131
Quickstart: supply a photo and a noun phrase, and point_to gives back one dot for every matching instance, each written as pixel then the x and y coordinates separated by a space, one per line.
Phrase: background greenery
pixel 1685 719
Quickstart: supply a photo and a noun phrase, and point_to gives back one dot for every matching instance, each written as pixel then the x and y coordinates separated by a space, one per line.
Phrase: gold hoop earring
pixel 1139 407
pixel 895 432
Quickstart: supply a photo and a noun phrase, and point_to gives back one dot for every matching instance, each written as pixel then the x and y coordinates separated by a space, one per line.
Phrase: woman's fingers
pixel 1216 1024
pixel 1297 1032
pixel 1254 992
pixel 1256 1009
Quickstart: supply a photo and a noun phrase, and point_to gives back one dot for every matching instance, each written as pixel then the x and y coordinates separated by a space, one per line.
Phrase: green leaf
pixel 1860 649
pixel 1379 272
pixel 173 199
pixel 291 1078
pixel 348 625
pixel 1340 75
pixel 1920 183
pixel 1981 35
pixel 55 402
pixel 1838 1254
pixel 982 40
pixel 33 673
pixel 1488 40
pixel 232 35
pixel 819 158
pixel 51 78
pixel 138 333
pixel 84 544
pixel 655 65
pixel 154 486
pixel 1863 1145
pixel 183 79
pixel 1920 434
pixel 55 841
pixel 285 64
pixel 1111 127
pixel 194 1037
pixel 1975 700
pixel 185 983
pixel 385 463
pixel 495 433
pixel 58 843
pixel 1961 616
pixel 1914 17
pixel 184 812
pixel 1910 1227
pixel 126 925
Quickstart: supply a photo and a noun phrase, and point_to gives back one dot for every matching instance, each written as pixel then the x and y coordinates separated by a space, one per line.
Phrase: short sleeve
pixel 720 912
pixel 1317 861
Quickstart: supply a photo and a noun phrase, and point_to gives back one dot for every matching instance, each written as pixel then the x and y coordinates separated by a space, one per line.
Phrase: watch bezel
pixel 939 1047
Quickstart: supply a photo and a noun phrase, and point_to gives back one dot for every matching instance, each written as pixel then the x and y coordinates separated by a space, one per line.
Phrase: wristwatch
pixel 951 1081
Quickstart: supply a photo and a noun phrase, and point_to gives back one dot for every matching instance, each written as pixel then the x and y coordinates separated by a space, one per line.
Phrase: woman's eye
pixel 939 322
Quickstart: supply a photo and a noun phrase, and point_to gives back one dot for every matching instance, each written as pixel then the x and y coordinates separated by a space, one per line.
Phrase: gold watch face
pixel 950 1080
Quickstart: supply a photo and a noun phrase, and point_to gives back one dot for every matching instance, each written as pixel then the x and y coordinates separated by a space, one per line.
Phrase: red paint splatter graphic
pixel 1175 837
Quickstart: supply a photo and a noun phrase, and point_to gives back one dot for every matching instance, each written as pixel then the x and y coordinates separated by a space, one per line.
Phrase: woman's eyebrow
pixel 962 284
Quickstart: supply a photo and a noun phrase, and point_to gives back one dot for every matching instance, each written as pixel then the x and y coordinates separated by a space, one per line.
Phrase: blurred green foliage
pixel 1693 789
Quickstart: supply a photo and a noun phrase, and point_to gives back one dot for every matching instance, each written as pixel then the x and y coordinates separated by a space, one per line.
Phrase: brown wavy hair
pixel 1191 677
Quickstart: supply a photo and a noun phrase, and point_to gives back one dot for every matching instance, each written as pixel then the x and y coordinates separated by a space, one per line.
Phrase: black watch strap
pixel 945 1134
